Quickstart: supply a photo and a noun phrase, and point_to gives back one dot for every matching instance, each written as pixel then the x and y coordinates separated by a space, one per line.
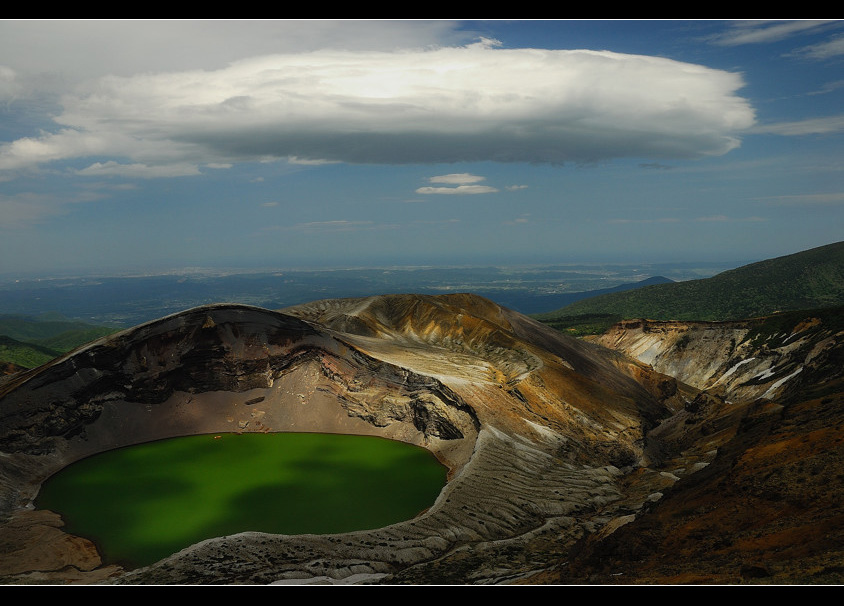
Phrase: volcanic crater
pixel 551 443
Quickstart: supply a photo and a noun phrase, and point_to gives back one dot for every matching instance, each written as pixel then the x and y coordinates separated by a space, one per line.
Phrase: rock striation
pixel 555 446
pixel 776 357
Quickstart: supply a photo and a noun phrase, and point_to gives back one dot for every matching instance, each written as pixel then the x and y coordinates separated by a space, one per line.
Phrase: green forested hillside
pixel 50 327
pixel 808 279
pixel 27 355
pixel 32 341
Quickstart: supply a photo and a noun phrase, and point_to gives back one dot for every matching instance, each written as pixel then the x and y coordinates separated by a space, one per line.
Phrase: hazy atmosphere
pixel 156 145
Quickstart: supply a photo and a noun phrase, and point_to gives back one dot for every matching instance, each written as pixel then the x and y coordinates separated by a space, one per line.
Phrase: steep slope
pixel 808 279
pixel 775 357
pixel 768 510
pixel 769 507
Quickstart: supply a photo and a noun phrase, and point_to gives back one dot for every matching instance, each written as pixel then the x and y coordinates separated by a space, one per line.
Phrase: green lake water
pixel 142 503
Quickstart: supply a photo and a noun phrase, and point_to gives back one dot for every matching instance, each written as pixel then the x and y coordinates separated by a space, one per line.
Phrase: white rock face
pixel 722 357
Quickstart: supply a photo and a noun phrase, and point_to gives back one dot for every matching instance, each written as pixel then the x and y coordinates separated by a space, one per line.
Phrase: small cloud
pixel 457 179
pixel 522 219
pixel 115 169
pixel 308 162
pixel 269 204
pixel 760 32
pixel 812 126
pixel 828 88
pixel 485 43
pixel 515 187
pixel 823 50
pixel 460 189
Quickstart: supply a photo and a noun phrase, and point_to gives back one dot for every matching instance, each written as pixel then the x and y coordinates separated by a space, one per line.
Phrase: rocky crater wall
pixel 538 431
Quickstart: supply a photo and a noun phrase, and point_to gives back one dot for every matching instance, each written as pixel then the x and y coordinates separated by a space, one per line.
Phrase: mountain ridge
pixel 803 280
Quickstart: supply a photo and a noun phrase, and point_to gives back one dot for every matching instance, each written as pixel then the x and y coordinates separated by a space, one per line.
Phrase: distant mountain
pixel 808 279
pixel 528 303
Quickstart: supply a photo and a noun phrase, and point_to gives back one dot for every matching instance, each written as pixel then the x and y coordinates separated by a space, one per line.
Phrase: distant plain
pixel 128 300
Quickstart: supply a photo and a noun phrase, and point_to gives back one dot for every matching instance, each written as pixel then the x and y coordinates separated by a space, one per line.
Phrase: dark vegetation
pixel 777 328
pixel 583 324
pixel 32 341
pixel 26 355
pixel 805 280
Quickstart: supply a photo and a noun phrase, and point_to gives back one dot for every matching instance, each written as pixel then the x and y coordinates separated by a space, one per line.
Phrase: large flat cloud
pixel 470 103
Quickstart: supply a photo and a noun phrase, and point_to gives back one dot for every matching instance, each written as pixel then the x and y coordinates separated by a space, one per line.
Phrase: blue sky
pixel 146 145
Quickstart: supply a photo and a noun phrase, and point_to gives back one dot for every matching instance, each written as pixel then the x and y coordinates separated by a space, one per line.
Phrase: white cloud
pixel 831 48
pixel 459 190
pixel 828 88
pixel 457 179
pixel 447 104
pixel 112 169
pixel 515 187
pixel 759 32
pixel 811 126
pixel 520 220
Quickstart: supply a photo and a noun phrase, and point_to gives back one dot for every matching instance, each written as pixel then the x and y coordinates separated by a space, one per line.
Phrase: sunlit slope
pixel 808 279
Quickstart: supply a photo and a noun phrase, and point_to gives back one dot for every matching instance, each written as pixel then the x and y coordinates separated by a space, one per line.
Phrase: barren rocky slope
pixel 769 507
pixel 776 357
pixel 555 446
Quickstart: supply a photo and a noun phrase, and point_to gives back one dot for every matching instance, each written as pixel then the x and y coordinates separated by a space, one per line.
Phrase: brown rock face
pixel 767 510
pixel 569 462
